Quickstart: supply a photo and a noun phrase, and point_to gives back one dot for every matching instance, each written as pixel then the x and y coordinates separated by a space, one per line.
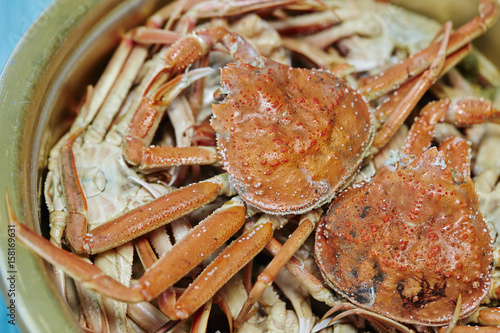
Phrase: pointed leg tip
pixel 13 221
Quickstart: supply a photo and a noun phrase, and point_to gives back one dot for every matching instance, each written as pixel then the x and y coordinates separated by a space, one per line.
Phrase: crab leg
pixel 350 309
pixel 205 238
pixel 162 90
pixel 74 198
pixel 418 89
pixel 202 240
pixel 418 63
pixel 306 226
pixel 144 123
pixel 329 36
pixel 240 253
pixel 460 112
pixel 118 81
pixel 384 111
pixel 486 316
pixel 215 8
pixel 321 58
pixel 378 320
pixel 158 157
pixel 227 263
pixel 111 104
pixel 145 251
pixel 166 300
pixel 92 307
pixel 154 214
pixel 93 310
pixel 200 318
pixel 194 10
pixel 147 316
pixel 163 14
pixel 295 267
pixel 161 241
pixel 106 82
pixel 303 24
pixel 116 263
pixel 76 226
pixel 148 35
pixel 469 329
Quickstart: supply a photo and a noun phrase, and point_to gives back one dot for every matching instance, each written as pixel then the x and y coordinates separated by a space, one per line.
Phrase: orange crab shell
pixel 408 243
pixel 289 138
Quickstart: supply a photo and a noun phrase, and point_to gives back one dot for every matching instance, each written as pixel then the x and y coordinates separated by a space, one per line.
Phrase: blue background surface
pixel 15 18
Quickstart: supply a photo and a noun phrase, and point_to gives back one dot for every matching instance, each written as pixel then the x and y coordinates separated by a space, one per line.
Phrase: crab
pixel 409 257
pixel 412 257
pixel 289 139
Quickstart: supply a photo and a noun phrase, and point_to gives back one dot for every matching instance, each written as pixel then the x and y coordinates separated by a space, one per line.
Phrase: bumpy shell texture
pixel 408 243
pixel 289 138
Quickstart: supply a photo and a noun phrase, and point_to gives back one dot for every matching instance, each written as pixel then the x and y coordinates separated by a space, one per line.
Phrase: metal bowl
pixel 60 54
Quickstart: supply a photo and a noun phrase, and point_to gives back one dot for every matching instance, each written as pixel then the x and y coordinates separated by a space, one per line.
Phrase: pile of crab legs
pixel 291 141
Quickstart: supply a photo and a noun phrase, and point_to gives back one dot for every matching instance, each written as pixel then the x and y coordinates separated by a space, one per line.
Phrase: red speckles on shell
pixel 408 256
pixel 301 144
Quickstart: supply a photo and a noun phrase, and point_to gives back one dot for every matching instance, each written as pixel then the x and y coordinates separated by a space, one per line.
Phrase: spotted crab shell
pixel 408 243
pixel 289 138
